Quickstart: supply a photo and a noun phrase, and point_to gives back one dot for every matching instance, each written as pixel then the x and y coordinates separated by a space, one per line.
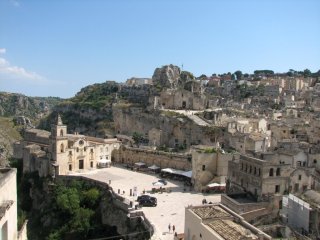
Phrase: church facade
pixel 60 153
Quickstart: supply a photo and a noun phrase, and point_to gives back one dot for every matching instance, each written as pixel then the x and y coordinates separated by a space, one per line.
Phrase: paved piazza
pixel 171 206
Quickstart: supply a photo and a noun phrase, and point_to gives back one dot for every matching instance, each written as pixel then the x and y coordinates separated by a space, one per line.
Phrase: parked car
pixel 143 197
pixel 146 200
pixel 163 181
pixel 151 202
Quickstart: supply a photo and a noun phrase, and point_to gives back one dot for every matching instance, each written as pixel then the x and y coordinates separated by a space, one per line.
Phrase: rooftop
pixel 227 223
pixel 212 211
pixel 228 229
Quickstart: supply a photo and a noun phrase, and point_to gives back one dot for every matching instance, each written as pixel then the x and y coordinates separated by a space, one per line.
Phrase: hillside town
pixel 229 156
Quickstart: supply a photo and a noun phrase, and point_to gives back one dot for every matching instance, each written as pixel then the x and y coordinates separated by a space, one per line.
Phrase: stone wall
pixel 128 155
pixel 177 130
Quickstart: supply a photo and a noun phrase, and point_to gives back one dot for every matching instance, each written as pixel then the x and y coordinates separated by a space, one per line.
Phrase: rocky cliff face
pixel 9 133
pixel 167 76
pixel 176 130
pixel 13 104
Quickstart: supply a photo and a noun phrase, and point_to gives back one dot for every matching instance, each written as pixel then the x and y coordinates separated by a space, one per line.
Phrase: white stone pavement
pixel 171 206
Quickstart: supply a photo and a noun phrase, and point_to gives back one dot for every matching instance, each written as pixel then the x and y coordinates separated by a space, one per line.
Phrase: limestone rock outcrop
pixel 167 76
pixel 22 120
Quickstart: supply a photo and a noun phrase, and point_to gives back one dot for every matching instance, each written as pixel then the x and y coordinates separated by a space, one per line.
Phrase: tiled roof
pixel 211 212
pixel 230 230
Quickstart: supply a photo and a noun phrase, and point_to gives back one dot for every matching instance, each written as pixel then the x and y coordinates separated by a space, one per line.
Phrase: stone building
pixel 216 221
pixel 208 165
pixel 260 178
pixel 181 99
pixel 61 153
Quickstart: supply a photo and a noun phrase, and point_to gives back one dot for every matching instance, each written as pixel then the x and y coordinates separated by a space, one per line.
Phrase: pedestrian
pixel 169 227
pixel 173 228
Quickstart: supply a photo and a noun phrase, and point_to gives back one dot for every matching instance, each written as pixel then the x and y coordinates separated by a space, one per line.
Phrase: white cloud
pixel 2 50
pixel 9 71
pixel 15 3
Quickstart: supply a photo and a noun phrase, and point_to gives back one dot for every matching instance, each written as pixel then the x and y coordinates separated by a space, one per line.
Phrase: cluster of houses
pixel 264 153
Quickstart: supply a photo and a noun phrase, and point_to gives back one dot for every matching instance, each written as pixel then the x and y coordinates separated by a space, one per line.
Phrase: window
pixel 77 149
pixel 314 160
pixel 203 167
pixel 91 150
pixel 70 167
pixel 70 152
pixel 296 187
pixel 259 172
pixel 246 167
pixel 277 189
pixel 278 172
pixel 299 177
pixel 91 164
pixel 271 172
pixel 255 171
pixel 62 148
pixel 61 133
pixel 250 171
pixel 284 131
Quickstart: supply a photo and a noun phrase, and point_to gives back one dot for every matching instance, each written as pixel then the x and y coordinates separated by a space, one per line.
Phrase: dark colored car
pixel 143 197
pixel 163 181
pixel 146 200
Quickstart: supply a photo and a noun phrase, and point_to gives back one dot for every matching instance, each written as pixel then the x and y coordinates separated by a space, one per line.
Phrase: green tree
pixel 68 199
pixel 238 74
pixel 91 196
pixel 137 137
pixel 203 77
pixel 307 73
pixel 81 220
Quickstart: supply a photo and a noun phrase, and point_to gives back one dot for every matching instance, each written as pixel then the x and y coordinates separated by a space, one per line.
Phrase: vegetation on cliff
pixel 9 133
pixel 14 104
pixel 63 210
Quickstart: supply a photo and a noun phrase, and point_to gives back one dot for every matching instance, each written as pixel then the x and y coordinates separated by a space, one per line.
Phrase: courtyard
pixel 171 205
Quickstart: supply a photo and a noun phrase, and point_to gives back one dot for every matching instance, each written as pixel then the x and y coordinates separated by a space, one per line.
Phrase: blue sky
pixel 54 48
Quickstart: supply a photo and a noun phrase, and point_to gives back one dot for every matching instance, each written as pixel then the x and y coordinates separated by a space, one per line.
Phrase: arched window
pixel 271 172
pixel 255 171
pixel 61 133
pixel 278 172
pixel 62 148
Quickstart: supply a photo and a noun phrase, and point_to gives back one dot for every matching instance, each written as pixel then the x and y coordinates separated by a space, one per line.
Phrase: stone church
pixel 60 153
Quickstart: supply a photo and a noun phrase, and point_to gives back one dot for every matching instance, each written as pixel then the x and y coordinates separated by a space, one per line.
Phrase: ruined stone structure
pixel 130 156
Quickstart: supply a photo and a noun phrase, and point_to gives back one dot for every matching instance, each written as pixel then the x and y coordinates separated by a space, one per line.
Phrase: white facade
pixel 8 204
